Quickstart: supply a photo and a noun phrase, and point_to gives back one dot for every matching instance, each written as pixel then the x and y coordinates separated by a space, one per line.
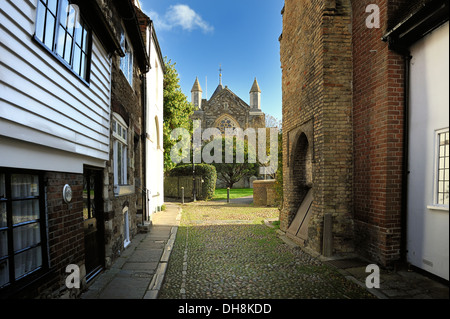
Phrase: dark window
pixel 22 226
pixel 60 27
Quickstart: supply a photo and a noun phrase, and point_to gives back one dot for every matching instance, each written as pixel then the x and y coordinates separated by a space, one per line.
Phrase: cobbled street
pixel 226 251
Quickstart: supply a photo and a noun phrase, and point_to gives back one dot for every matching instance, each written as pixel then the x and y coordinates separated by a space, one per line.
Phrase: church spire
pixel 220 74
pixel 255 87
pixel 255 96
pixel 196 94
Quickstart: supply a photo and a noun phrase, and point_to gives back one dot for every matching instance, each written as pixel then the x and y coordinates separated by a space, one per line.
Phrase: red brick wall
pixel 378 77
pixel 65 230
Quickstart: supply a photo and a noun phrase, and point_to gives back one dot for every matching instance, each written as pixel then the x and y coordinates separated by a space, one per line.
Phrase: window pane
pixel 83 67
pixel 92 196
pixel 40 21
pixel 3 215
pixel 77 60
pixel 71 20
pixel 68 50
pixel 52 6
pixel 25 210
pixel 4 272
pixel 24 185
pixel 78 33
pixel 85 39
pixel 49 31
pixel 85 199
pixel 3 243
pixel 2 186
pixel 27 261
pixel 26 236
pixel 64 12
pixel 119 163
pixel 60 41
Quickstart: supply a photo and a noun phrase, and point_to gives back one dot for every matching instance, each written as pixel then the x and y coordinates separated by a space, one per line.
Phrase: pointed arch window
pixel 226 121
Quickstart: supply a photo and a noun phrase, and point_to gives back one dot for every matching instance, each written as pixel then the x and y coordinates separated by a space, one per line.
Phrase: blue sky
pixel 241 36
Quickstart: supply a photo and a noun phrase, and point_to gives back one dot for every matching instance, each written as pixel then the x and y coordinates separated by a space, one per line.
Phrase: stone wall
pixel 264 193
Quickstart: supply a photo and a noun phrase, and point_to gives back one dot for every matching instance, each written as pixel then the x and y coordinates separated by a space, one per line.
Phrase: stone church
pixel 224 109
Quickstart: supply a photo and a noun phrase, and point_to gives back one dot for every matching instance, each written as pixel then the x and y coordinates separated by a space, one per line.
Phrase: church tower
pixel 255 96
pixel 196 95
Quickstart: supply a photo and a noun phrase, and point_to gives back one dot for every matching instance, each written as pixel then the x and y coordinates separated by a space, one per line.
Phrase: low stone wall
pixel 264 193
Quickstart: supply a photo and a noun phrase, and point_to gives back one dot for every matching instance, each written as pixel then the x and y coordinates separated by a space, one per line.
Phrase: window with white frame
pixel 126 62
pixel 62 30
pixel 120 150
pixel 442 168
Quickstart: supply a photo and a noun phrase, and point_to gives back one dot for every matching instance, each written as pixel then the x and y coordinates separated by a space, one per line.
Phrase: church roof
pixel 255 87
pixel 217 91
pixel 196 86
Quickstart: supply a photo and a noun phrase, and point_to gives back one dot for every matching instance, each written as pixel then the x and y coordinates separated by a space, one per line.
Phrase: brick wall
pixel 264 193
pixel 378 77
pixel 316 60
pixel 65 230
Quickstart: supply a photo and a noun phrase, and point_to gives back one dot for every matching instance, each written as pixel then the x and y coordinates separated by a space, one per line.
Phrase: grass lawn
pixel 221 193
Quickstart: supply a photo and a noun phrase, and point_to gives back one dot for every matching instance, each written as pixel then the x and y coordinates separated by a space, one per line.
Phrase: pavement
pixel 140 271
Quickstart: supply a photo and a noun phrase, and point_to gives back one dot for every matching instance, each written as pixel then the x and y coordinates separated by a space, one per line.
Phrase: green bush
pixel 206 171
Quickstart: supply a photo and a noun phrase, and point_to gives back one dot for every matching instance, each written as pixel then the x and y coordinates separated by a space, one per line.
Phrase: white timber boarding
pixel 428 214
pixel 49 118
pixel 154 119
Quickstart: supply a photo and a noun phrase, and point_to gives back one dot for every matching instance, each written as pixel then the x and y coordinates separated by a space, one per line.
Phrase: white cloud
pixel 180 15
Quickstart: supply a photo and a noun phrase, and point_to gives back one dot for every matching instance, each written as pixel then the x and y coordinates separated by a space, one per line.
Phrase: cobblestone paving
pixel 225 251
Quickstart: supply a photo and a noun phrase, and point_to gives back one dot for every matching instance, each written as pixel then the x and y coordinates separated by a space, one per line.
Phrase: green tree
pixel 177 110
pixel 232 173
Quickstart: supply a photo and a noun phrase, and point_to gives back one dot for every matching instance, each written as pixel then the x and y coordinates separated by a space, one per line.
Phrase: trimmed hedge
pixel 206 171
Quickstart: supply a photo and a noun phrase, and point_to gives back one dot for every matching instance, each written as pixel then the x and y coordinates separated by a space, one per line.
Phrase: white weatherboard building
pixel 428 185
pixel 62 67
pixel 154 157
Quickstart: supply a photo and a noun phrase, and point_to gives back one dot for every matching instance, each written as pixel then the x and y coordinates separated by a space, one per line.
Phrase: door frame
pixel 89 171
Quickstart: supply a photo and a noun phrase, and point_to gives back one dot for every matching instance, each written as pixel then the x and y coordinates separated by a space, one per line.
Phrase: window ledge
pixel 438 207
pixel 121 190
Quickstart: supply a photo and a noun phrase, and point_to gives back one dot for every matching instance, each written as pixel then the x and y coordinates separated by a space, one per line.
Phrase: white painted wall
pixel 427 226
pixel 154 117
pixel 44 103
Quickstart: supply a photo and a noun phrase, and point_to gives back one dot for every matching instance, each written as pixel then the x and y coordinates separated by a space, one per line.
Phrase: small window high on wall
pixel 126 62
pixel 61 29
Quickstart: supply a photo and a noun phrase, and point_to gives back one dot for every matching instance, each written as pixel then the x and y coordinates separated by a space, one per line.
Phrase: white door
pixel 428 184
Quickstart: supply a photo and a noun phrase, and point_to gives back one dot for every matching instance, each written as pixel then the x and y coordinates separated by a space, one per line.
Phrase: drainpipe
pixel 144 146
pixel 405 175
